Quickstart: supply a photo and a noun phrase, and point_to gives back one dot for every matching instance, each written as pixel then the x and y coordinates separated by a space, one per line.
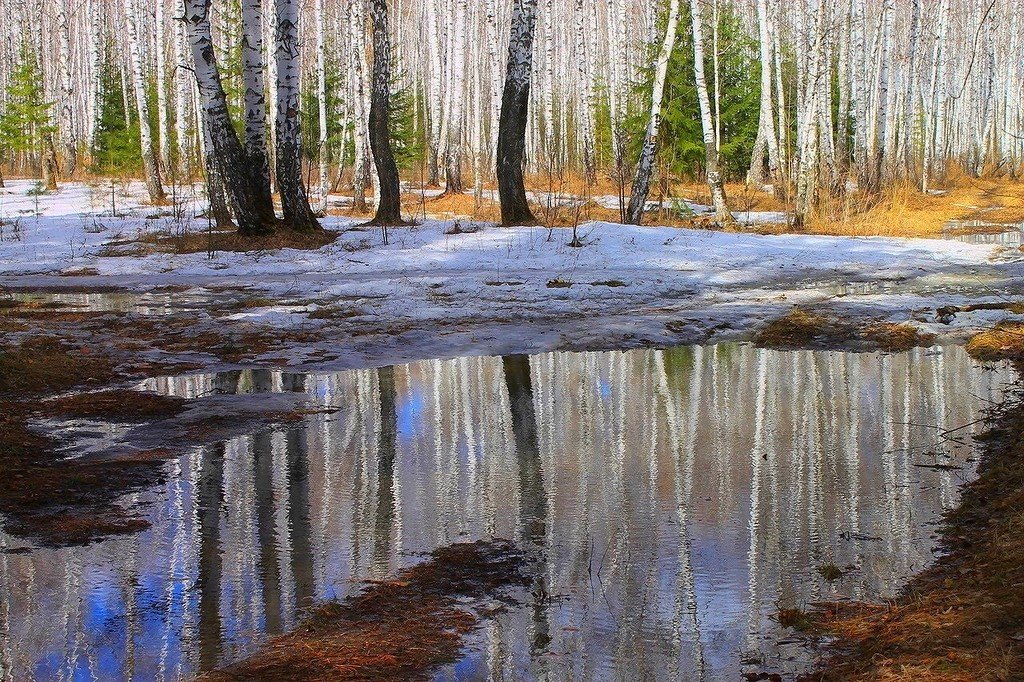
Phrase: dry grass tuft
pixel 895 338
pixel 802 329
pixel 400 629
pixel 1003 342
pixel 794 618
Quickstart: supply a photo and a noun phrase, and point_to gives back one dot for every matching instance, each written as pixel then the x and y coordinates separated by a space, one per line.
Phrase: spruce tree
pixel 26 124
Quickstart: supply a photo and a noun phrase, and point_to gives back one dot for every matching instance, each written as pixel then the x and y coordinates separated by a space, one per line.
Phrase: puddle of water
pixel 979 232
pixel 146 303
pixel 674 500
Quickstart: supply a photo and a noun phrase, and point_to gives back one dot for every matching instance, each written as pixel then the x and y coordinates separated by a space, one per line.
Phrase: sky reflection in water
pixel 676 498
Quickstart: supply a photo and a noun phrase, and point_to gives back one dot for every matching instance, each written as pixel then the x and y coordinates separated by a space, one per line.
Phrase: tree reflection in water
pixel 669 500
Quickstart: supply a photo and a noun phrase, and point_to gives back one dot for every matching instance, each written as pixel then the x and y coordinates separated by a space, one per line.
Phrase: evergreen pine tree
pixel 116 149
pixel 26 124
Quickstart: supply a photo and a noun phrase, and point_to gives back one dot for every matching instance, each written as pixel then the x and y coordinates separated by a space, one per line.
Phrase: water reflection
pixel 669 501
pixel 980 232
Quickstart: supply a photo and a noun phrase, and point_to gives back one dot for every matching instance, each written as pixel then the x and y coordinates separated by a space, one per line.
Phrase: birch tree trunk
pixel 707 125
pixel 223 145
pixel 162 117
pixel 586 101
pixel 294 202
pixel 645 166
pixel 321 85
pixel 182 91
pixel 515 102
pixel 880 129
pixel 807 173
pixel 434 93
pixel 911 100
pixel 766 137
pixel 151 166
pixel 96 61
pixel 218 211
pixel 357 31
pixel 389 205
pixel 255 103
pixel 456 138
pixel 68 135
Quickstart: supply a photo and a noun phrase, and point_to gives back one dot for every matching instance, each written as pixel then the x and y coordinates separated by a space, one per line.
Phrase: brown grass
pixel 58 502
pixel 895 338
pixel 962 619
pixel 452 206
pixel 1003 342
pixel 119 404
pixel 46 365
pixel 801 329
pixel 903 211
pixel 203 242
pixel 400 629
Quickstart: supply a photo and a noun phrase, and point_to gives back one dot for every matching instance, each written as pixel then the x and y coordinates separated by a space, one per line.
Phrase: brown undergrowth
pixel 399 629
pixel 803 329
pixel 962 619
pixel 44 364
pixel 901 210
pixel 214 241
pixel 1005 341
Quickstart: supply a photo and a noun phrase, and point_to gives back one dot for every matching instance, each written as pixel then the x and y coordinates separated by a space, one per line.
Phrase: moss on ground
pixel 806 329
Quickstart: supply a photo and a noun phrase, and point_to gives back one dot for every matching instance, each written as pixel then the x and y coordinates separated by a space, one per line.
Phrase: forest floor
pixel 99 291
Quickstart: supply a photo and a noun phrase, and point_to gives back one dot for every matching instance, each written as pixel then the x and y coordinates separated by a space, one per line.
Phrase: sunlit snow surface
pixel 497 275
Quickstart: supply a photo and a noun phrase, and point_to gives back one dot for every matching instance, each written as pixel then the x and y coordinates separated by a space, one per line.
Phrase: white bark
pixel 645 166
pixel 714 177
pixel 150 164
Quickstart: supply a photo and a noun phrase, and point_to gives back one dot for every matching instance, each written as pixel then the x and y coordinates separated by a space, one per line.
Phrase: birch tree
pixel 222 140
pixel 151 166
pixel 515 102
pixel 766 140
pixel 295 205
pixel 645 166
pixel 255 102
pixel 714 177
pixel 389 204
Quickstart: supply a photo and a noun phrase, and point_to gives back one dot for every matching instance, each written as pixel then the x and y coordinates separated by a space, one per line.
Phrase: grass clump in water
pixel 803 329
pixel 830 572
pixel 895 338
pixel 46 365
pixel 405 628
pixel 1003 342
pixel 794 618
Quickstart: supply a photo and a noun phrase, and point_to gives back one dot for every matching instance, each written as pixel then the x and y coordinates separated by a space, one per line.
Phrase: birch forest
pixel 810 100
pixel 512 340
